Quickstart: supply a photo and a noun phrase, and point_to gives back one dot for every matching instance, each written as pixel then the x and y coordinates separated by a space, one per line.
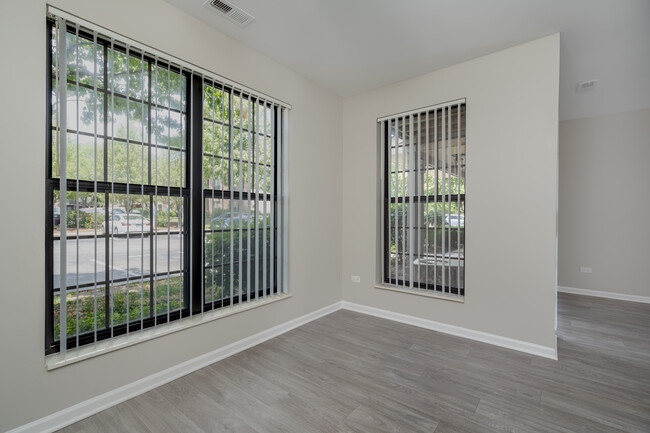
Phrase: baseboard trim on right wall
pixel 601 294
pixel 496 340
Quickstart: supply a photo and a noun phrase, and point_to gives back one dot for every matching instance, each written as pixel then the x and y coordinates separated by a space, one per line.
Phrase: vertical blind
pixel 239 193
pixel 423 165
pixel 166 190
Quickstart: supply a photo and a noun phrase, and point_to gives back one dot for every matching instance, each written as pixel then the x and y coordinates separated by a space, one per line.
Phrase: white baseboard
pixel 94 405
pixel 601 294
pixel 497 340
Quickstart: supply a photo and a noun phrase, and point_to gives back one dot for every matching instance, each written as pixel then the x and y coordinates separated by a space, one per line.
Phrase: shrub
pixel 217 257
pixel 86 220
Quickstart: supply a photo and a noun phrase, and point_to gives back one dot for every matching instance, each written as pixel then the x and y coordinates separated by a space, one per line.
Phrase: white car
pixel 455 220
pixel 121 223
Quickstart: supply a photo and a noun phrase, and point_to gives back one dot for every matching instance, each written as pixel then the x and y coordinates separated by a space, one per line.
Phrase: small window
pixel 424 156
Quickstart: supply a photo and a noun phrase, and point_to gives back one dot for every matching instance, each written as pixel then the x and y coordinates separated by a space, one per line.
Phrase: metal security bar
pixel 241 152
pixel 165 190
pixel 116 187
pixel 423 190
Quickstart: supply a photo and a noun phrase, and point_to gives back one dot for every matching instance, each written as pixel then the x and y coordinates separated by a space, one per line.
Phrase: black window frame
pixel 459 198
pixel 192 192
pixel 231 194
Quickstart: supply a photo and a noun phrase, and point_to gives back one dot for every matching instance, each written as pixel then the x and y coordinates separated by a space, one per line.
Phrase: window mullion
pixel 411 194
pixel 195 101
pixel 435 200
pixel 424 176
pixel 256 147
pixel 405 186
pixel 142 197
pixel 62 130
pixel 213 91
pixel 272 203
pixel 49 199
pixel 249 183
pixel 394 135
pixel 458 192
pixel 240 187
pixel 230 201
pixel 152 226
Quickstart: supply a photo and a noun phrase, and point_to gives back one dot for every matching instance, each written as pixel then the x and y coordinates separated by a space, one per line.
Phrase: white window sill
pixel 55 361
pixel 420 292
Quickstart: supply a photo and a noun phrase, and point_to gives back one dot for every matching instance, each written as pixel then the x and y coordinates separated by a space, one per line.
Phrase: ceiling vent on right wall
pixel 586 86
pixel 234 13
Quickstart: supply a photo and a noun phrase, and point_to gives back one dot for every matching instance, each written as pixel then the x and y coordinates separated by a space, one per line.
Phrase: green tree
pixel 86 110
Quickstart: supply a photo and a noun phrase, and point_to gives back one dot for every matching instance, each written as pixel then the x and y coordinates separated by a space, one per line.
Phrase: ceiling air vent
pixel 230 11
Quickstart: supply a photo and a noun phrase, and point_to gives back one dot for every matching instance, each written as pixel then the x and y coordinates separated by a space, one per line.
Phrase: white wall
pixel 511 211
pixel 605 203
pixel 27 390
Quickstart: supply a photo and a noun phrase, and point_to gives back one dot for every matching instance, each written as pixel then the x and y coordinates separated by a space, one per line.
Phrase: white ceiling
pixel 353 46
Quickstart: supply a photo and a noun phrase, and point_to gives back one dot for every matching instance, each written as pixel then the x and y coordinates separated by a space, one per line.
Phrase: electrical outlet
pixel 586 86
pixel 355 278
pixel 585 270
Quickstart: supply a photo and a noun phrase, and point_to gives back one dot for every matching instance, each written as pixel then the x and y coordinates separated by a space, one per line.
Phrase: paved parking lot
pixel 126 257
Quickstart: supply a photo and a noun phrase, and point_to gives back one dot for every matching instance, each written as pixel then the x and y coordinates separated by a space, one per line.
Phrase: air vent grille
pixel 235 14
pixel 221 6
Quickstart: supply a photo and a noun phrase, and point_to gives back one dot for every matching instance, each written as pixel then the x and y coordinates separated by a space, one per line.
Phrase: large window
pixel 239 195
pixel 163 190
pixel 424 199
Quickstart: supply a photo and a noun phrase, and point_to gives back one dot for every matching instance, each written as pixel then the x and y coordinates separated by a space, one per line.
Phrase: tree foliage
pixel 115 111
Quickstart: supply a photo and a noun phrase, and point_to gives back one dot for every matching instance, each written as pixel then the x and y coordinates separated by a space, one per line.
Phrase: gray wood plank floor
pixel 349 372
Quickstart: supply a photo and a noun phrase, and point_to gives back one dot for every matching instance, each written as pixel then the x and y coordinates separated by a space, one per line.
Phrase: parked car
pixel 121 223
pixel 455 220
pixel 57 216
pixel 224 221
